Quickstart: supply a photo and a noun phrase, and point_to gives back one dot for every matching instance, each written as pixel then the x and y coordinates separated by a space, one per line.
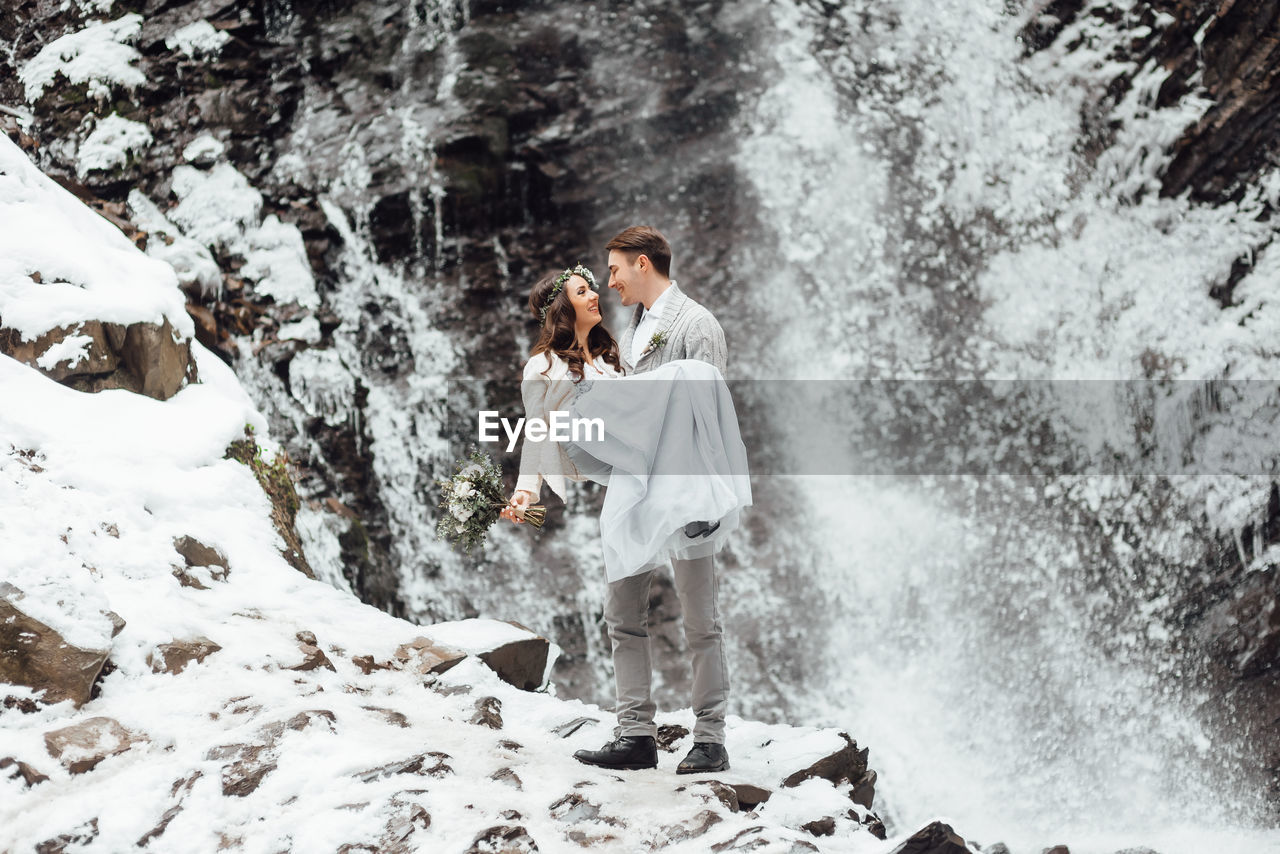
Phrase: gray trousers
pixel 627 616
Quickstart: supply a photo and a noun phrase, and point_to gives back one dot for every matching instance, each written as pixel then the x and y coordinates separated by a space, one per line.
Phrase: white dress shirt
pixel 649 324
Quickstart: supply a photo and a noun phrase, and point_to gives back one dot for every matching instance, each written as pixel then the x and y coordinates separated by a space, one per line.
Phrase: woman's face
pixel 586 302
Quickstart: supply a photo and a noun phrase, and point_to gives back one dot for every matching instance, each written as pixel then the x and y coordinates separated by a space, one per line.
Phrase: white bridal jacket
pixel 544 393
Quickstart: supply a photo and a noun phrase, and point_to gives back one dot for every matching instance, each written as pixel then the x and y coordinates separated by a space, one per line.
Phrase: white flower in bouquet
pixel 472 501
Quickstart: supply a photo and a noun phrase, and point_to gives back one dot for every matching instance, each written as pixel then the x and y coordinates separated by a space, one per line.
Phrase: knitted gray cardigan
pixel 692 332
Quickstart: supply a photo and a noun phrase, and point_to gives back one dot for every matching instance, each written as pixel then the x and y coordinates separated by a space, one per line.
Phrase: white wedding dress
pixel 671 454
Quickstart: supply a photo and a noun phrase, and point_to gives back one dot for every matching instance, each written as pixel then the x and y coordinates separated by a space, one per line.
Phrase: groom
pixel 665 326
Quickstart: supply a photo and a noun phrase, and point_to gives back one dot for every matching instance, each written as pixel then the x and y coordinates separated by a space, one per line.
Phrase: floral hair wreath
pixel 579 270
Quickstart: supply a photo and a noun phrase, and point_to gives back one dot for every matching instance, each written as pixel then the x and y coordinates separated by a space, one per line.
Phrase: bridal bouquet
pixel 472 501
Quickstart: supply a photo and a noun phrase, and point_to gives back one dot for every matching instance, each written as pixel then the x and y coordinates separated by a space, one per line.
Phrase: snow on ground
pixel 107 279
pixel 94 489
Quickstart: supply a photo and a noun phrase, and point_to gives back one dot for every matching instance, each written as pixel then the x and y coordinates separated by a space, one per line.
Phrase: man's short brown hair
pixel 644 240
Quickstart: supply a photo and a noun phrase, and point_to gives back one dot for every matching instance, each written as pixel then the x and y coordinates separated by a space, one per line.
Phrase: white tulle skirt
pixel 671 454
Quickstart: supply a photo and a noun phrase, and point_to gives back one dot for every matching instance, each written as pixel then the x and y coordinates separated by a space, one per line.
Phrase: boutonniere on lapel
pixel 658 339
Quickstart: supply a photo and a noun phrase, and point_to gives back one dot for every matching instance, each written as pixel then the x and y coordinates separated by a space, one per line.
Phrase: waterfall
pixel 918 220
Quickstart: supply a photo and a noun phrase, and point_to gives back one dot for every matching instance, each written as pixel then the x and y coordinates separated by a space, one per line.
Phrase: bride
pixel 671 452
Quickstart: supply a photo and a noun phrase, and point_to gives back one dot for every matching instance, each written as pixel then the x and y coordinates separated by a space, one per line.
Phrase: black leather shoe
pixel 628 753
pixel 700 529
pixel 705 757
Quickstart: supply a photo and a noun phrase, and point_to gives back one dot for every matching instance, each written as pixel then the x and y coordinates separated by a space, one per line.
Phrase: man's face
pixel 623 276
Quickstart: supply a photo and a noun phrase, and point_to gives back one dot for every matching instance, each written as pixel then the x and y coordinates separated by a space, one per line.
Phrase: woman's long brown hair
pixel 558 333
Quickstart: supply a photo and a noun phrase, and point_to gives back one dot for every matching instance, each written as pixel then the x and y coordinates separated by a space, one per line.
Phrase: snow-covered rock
pixel 77 298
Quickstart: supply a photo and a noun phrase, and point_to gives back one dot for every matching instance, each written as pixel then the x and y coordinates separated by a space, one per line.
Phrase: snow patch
pixel 73 350
pixel 98 55
pixel 199 39
pixel 111 143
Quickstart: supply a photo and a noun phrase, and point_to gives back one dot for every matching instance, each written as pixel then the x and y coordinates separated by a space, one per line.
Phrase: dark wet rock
pixel 669 736
pixel 1056 849
pixel 864 790
pixel 521 663
pixel 488 713
pixel 34 655
pixel 173 657
pixel 848 764
pixel 567 729
pixel 81 746
pixel 876 827
pixel 425 656
pixel 503 839
pixel 825 826
pixel 749 796
pixel 72 840
pixel 935 838
pixel 14 768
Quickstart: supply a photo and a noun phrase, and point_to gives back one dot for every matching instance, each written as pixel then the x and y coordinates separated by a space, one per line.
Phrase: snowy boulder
pixel 80 747
pixel 93 356
pixel 518 655
pixel 848 764
pixel 35 655
pixel 174 657
pixel 422 655
pixel 203 563
pixel 78 299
